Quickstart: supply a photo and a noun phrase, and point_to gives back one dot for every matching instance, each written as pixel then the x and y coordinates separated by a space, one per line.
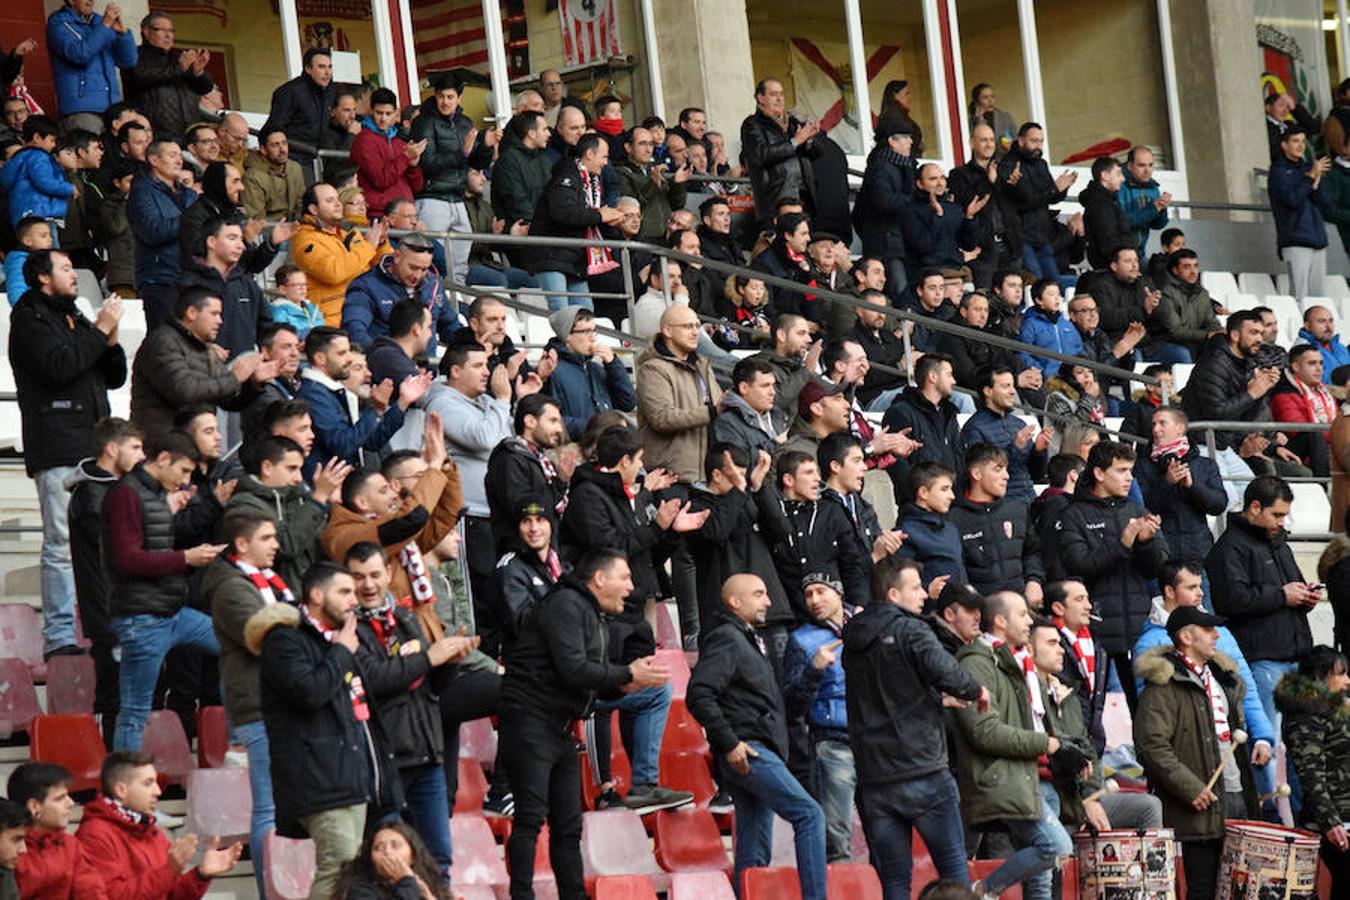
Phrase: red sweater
pixel 382 170
pixel 126 545
pixel 134 859
pixel 56 867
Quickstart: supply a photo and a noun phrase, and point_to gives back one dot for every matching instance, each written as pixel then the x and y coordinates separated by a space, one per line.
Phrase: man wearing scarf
pixel 1085 663
pixel 396 661
pixel 1302 397
pixel 1181 486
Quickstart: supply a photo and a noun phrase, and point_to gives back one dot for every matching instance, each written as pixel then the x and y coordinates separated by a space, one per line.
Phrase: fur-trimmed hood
pixel 1299 695
pixel 274 615
pixel 1337 550
pixel 1159 665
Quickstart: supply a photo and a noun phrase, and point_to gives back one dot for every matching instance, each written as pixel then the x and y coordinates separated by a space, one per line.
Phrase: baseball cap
pixel 814 391
pixel 1191 615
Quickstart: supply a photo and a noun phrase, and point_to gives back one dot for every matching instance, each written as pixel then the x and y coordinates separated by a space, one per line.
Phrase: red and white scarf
pixel 269 583
pixel 385 625
pixel 1321 405
pixel 598 259
pixel 1178 448
pixel 1084 651
pixel 1218 701
pixel 355 688
pixel 125 813
pixel 1034 696
pixel 410 558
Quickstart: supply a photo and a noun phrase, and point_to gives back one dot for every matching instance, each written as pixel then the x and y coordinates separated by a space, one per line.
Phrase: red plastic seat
pixel 854 881
pixel 213 737
pixel 475 892
pixel 687 770
pixel 70 685
pixel 21 637
pixel 289 871
pixel 478 859
pixel 687 840
pixel 770 883
pixel 700 886
pixel 219 804
pixel 624 887
pixel 620 769
pixel 678 664
pixel 478 741
pixel 165 739
pixel 18 698
pixel 73 742
pixel 683 732
pixel 473 787
pixel 613 842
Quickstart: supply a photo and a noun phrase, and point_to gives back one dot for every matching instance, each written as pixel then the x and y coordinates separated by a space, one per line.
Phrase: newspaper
pixel 1127 865
pixel 1267 862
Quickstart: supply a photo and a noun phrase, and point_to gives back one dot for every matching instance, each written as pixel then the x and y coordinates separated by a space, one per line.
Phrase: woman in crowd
pixel 984 111
pixel 393 864
pixel 895 106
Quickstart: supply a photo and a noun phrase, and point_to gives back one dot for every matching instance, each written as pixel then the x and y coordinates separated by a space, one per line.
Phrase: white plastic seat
pixel 1222 286
pixel 1311 511
pixel 1181 373
pixel 1336 287
pixel 1289 316
pixel 1258 283
pixel 1113 423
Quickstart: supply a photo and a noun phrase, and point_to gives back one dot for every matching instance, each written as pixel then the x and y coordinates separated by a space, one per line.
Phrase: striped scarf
pixel 1321 406
pixel 125 813
pixel 1034 697
pixel 1218 701
pixel 1084 651
pixel 356 690
pixel 598 259
pixel 384 623
pixel 1178 448
pixel 410 558
pixel 269 583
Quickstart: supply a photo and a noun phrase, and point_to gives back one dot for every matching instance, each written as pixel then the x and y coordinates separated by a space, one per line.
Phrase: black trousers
pixel 466 696
pixel 546 781
pixel 1125 672
pixel 1200 860
pixel 482 559
pixel 1338 864
pixel 159 302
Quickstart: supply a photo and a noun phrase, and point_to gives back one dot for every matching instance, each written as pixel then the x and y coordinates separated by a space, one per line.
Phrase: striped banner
pixel 590 30
pixel 449 33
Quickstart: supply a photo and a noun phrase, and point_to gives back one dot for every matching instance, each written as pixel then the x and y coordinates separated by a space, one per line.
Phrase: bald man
pixel 991 233
pixel 734 695
pixel 233 134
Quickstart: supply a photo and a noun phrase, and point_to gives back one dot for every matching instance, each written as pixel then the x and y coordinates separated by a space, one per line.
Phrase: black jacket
pixel 90 485
pixel 63 368
pixel 816 536
pixel 996 226
pixel 719 247
pixel 560 659
pixel 933 240
pixel 882 348
pixel 1104 222
pixel 445 165
pixel 513 475
pixel 399 687
pixel 244 311
pixel 1043 517
pixel 562 212
pixel 1000 551
pixel 733 692
pixel 934 426
pixel 895 673
pixel 1033 194
pixel 789 377
pixel 887 190
pixel 1117 577
pixel 519 582
pixel 167 93
pixel 1217 390
pixel 325 757
pixel 135 591
pixel 1093 704
pixel 778 167
pixel 301 109
pixel 600 515
pixel 731 542
pixel 774 261
pixel 1183 509
pixel 1118 304
pixel 1248 570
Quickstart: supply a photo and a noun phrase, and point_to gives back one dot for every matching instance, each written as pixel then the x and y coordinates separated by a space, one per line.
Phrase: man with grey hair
pixel 528 100
pixel 551 91
pixel 167 81
pixel 233 134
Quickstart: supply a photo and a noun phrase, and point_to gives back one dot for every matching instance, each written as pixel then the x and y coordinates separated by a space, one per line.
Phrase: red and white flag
pixel 590 30
pixel 449 33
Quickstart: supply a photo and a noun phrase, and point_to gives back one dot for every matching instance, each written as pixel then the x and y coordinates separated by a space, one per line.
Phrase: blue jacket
pixel 1184 511
pixel 583 387
pixel 15 286
pixel 1054 334
pixel 371 295
pixel 302 320
pixel 1024 463
pixel 85 58
pixel 1333 354
pixel 807 691
pixel 154 211
pixel 334 432
pixel 1137 201
pixel 36 185
pixel 1297 207
pixel 1155 634
pixel 933 541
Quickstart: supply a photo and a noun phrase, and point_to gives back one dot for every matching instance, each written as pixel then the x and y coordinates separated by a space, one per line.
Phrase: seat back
pixel 770 883
pixel 213 737
pixel 165 738
pixel 20 635
pixel 688 840
pixel 70 684
pixel 624 887
pixel 478 860
pixel 1311 510
pixel 18 698
pixel 678 664
pixel 473 787
pixel 73 742
pixel 620 768
pixel 613 842
pixel 666 636
pixel 289 870
pixel 700 886
pixel 853 880
pixel 1258 283
pixel 219 803
pixel 478 742
pixel 687 770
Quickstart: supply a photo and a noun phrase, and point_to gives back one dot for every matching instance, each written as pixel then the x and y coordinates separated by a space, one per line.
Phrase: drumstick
pixel 1239 738
pixel 1109 786
pixel 1281 791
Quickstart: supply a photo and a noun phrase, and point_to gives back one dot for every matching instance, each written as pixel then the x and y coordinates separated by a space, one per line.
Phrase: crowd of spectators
pixel 349 509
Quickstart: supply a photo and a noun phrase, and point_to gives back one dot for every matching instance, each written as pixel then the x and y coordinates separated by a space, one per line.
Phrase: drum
pixel 1267 862
pixel 1126 865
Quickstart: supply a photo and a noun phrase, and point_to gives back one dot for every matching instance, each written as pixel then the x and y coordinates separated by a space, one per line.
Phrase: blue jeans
pixel 510 277
pixel 557 282
pixel 882 402
pixel 58 579
pixel 429 809
pixel 1267 673
pixel 1039 260
pixel 649 707
pixel 254 738
pixel 145 641
pixel 836 782
pixel 768 789
pixel 929 804
pixel 1040 842
pixel 1166 352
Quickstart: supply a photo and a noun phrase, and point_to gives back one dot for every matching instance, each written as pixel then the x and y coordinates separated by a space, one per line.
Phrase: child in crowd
pixel 929 537
pixel 112 231
pixel 33 179
pixel 292 306
pixel 744 302
pixel 34 234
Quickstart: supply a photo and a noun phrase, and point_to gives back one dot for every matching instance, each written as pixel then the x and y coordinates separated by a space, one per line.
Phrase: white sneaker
pixel 168 822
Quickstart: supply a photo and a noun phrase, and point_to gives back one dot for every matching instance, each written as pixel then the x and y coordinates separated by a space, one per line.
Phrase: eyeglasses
pixel 1083 309
pixel 590 330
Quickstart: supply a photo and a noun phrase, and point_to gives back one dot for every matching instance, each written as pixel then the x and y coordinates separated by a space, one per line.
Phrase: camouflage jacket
pixel 1317 735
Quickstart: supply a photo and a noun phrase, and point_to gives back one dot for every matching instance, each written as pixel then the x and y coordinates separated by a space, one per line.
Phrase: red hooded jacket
pixel 382 169
pixel 57 867
pixel 134 859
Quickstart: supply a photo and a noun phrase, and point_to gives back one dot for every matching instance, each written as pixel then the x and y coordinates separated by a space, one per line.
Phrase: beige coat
pixel 674 410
